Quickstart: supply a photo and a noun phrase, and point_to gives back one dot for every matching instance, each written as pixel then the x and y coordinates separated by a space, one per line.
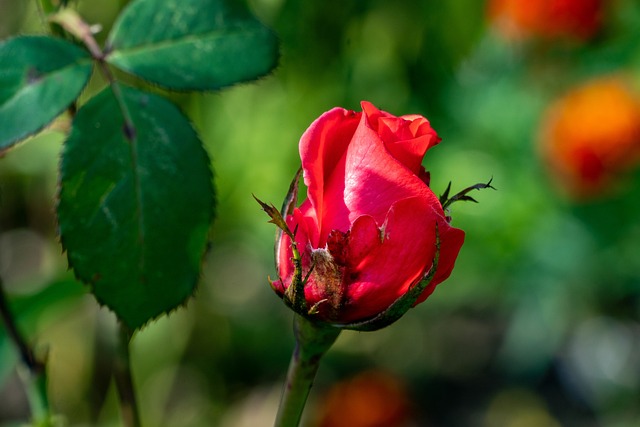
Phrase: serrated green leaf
pixel 134 214
pixel 39 77
pixel 191 44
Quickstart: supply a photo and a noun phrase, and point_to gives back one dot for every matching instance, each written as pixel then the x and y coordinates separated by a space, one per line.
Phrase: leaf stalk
pixel 124 379
pixel 73 23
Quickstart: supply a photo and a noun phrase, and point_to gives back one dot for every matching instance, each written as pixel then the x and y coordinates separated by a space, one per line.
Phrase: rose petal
pixel 322 147
pixel 380 271
pixel 313 224
pixel 339 154
pixel 284 255
pixel 374 179
pixel 407 137
pixel 387 181
pixel 365 237
pixel 392 129
pixel 411 151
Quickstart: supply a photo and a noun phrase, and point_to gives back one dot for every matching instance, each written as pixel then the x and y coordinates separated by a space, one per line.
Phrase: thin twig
pixel 26 353
pixel 124 379
pixel 35 379
pixel 104 356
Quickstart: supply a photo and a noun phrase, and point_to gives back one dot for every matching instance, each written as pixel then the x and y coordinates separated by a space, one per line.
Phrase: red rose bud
pixel 548 19
pixel 372 239
pixel 591 136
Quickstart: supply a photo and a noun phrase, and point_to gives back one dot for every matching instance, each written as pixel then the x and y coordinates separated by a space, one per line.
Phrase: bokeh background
pixel 539 324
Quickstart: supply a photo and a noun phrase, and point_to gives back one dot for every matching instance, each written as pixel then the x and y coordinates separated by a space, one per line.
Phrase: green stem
pixel 34 376
pixel 36 390
pixel 124 379
pixel 104 356
pixel 312 342
pixel 73 23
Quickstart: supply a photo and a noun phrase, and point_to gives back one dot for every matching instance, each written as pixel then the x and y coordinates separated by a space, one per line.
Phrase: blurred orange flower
pixel 551 19
pixel 591 136
pixel 370 399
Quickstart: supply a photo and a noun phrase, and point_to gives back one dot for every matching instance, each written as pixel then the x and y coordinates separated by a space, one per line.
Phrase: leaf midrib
pixel 164 44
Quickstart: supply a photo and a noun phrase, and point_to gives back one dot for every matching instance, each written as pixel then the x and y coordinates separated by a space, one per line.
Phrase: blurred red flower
pixel 591 136
pixel 370 399
pixel 550 19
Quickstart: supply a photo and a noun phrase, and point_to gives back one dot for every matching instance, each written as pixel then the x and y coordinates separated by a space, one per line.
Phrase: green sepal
pixel 275 215
pixel 294 295
pixel 291 200
pixel 446 201
pixel 314 338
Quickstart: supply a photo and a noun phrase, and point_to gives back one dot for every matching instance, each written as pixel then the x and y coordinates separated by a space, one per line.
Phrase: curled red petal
pixel 322 147
pixel 385 261
pixel 407 138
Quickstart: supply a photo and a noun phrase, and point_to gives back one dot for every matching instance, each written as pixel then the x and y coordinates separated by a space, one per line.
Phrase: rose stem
pixel 124 379
pixel 35 376
pixel 312 342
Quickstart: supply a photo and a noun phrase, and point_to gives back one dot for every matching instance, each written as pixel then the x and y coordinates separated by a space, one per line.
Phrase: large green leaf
pixel 39 77
pixel 191 44
pixel 134 214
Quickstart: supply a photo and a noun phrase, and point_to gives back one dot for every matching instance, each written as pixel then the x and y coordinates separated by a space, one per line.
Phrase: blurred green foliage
pixel 539 325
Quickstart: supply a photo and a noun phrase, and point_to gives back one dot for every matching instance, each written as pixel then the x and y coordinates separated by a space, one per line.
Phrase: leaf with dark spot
pixel 39 78
pixel 134 214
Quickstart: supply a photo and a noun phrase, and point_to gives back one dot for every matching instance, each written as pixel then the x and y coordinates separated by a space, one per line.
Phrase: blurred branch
pixel 104 356
pixel 35 376
pixel 124 379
